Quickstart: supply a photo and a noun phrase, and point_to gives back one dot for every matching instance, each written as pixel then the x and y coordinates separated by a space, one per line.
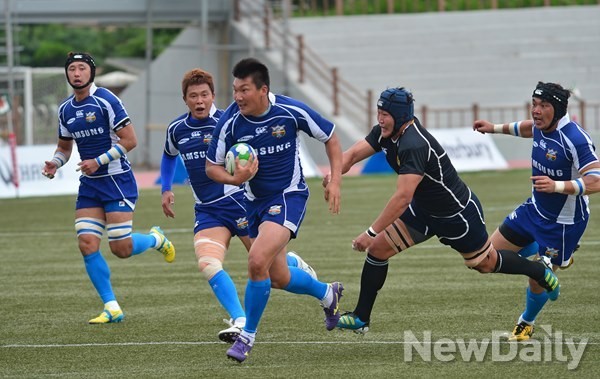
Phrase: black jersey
pixel 441 193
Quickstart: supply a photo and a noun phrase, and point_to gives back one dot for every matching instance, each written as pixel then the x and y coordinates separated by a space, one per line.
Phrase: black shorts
pixel 465 231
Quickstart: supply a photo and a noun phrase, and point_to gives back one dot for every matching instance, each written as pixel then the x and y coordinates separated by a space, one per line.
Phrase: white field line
pixel 198 343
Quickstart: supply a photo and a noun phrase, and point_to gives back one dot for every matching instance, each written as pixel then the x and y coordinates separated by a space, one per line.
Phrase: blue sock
pixel 291 261
pixel 142 242
pixel 303 284
pixel 534 304
pixel 225 291
pixel 257 296
pixel 529 250
pixel 99 274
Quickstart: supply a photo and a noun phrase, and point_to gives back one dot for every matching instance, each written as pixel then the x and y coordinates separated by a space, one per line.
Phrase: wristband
pixel 559 186
pixel 59 159
pixel 513 128
pixel 111 154
pixel 578 186
pixel 370 232
pixel 499 128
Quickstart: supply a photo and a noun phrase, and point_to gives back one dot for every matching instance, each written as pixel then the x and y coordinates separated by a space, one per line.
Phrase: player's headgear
pixel 399 103
pixel 555 95
pixel 81 57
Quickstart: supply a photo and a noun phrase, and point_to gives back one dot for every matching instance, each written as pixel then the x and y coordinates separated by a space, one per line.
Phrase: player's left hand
pixel 88 166
pixel 362 242
pixel 543 184
pixel 168 199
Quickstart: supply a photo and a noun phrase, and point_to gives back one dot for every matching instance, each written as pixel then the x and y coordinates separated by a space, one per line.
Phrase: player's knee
pixel 481 260
pixel 121 248
pixel 381 251
pixel 480 263
pixel 210 254
pixel 209 266
pixel 257 266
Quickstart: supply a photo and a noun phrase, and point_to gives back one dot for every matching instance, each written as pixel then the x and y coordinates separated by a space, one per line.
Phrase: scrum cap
pixel 81 57
pixel 555 95
pixel 399 103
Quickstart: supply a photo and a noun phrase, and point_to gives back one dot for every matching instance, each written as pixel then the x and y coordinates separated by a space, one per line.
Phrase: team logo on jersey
pixel 242 223
pixel 207 138
pixel 551 252
pixel 183 140
pixel 275 210
pixel 543 144
pixel 245 138
pixel 90 117
pixel 278 131
pixel 551 155
pixel 260 130
pixel 71 120
pixel 384 150
pixel 79 114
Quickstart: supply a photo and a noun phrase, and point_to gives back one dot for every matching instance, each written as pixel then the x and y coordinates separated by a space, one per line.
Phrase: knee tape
pixel 211 255
pixel 87 225
pixel 473 259
pixel 209 266
pixel 119 231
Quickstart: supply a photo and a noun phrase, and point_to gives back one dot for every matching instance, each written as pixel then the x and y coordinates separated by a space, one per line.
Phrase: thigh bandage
pixel 119 231
pixel 88 225
pixel 210 254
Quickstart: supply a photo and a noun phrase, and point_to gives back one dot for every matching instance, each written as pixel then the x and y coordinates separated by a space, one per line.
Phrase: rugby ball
pixel 241 150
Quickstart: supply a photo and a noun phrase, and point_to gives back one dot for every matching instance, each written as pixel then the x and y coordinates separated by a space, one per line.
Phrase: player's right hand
pixel 483 126
pixel 49 170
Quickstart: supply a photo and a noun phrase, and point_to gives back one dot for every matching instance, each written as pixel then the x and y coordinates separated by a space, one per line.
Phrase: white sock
pixel 521 319
pixel 112 306
pixel 240 322
pixel 328 299
pixel 250 336
pixel 157 239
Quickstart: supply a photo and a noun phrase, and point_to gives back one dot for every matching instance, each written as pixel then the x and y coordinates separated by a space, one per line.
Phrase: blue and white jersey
pixel 560 155
pixel 92 123
pixel 275 137
pixel 190 138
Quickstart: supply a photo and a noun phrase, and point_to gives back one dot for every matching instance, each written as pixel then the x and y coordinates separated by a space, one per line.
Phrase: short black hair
pixel 254 68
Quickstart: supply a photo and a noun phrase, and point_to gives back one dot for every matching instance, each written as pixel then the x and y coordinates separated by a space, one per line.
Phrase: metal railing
pixel 359 106
pixel 350 7
pixel 310 67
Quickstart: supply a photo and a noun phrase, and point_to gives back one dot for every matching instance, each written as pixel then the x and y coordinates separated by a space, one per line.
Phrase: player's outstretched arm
pixel 522 128
pixel 356 153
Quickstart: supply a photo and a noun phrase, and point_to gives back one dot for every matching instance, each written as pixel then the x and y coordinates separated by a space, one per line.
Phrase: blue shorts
pixel 287 209
pixel 228 212
pixel 113 193
pixel 465 232
pixel 557 241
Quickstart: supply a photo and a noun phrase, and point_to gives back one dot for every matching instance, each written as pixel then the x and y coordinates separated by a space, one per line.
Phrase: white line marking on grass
pixel 199 343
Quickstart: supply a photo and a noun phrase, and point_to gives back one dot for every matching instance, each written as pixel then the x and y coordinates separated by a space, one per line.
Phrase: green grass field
pixel 172 319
